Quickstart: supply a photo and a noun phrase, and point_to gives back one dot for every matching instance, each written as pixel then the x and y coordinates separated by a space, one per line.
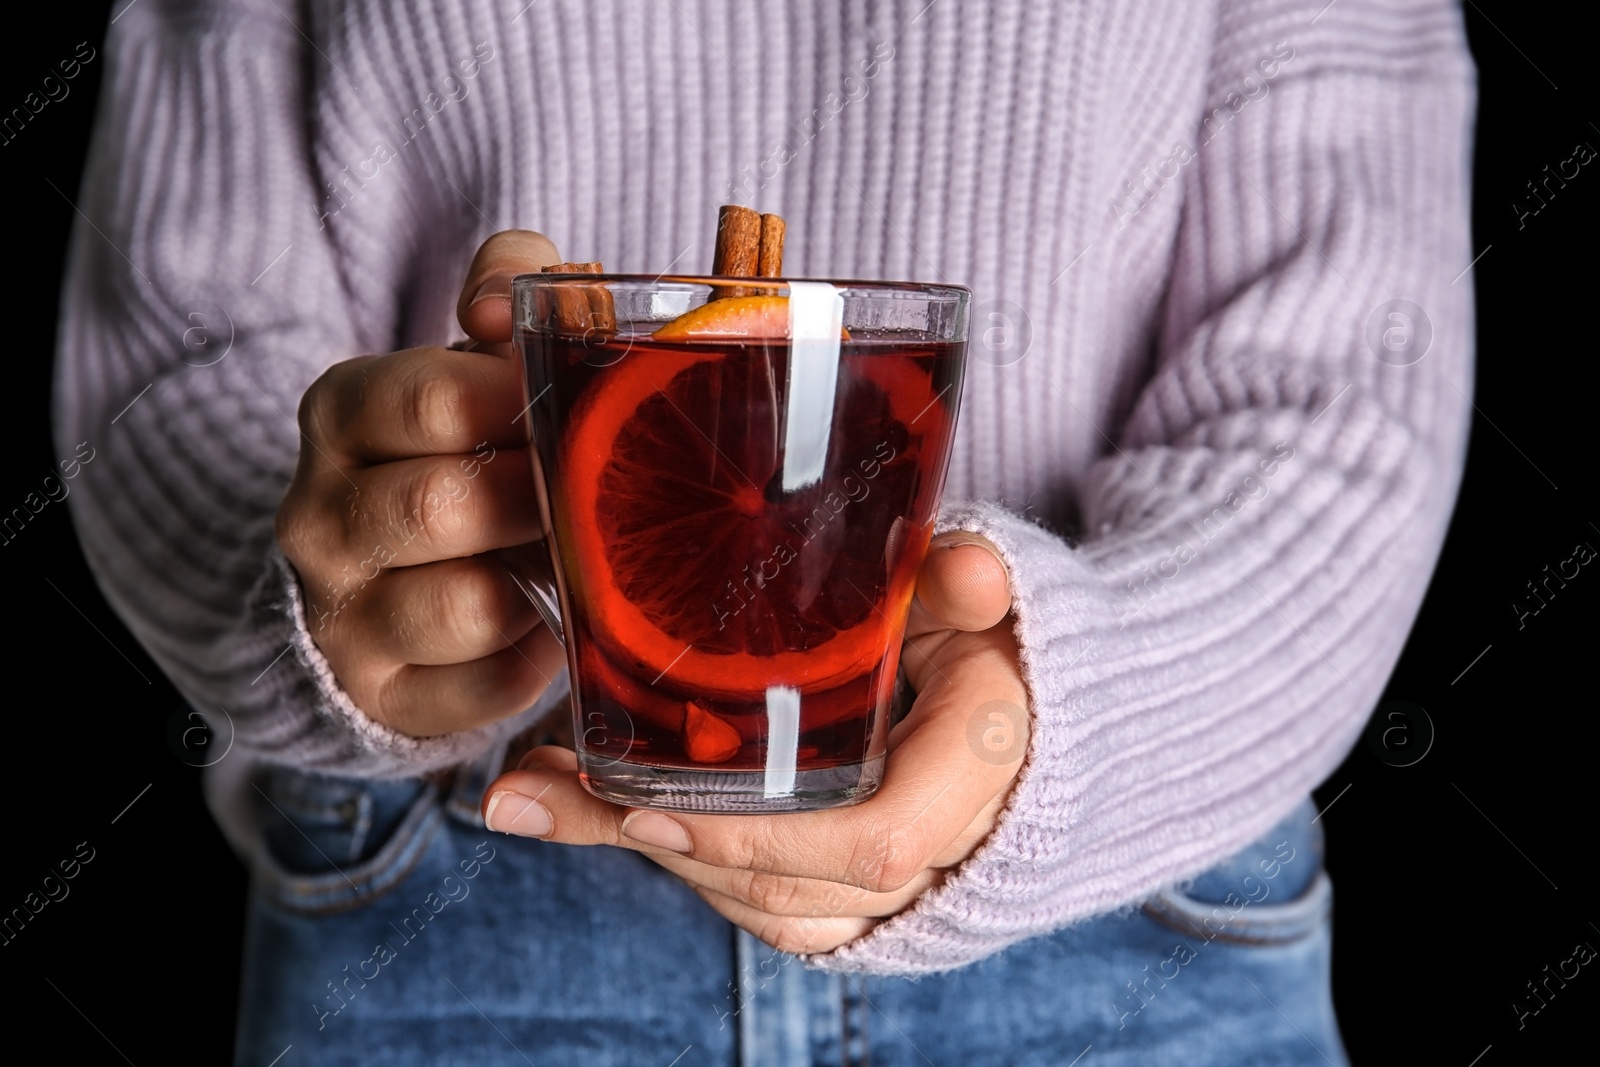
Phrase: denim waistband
pixel 1273 891
pixel 330 843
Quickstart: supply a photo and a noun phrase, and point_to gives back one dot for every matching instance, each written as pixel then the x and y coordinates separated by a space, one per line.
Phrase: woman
pixel 1201 477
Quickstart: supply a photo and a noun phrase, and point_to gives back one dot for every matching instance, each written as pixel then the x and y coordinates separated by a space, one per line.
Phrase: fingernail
pixel 654 828
pixel 513 813
pixel 962 537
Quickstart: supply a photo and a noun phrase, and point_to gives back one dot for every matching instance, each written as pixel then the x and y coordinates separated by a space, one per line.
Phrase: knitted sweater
pixel 1218 466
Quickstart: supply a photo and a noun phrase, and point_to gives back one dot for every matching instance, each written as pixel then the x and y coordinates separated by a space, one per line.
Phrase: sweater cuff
pixel 385 753
pixel 1001 894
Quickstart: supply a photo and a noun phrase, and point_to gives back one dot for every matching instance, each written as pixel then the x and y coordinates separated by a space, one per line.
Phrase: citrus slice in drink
pixel 733 316
pixel 698 570
pixel 706 737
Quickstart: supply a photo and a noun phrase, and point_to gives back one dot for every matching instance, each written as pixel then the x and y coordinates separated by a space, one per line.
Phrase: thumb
pixel 963 585
pixel 484 307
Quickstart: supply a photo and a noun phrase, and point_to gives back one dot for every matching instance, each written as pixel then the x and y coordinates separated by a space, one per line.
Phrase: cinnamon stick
pixel 749 245
pixel 581 308
pixel 738 248
pixel 769 262
pixel 738 242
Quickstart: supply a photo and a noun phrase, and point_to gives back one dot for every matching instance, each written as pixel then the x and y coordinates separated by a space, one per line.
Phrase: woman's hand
pixel 414 471
pixel 810 882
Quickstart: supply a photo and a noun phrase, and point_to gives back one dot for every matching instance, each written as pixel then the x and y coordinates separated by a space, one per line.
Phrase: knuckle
pixel 794 938
pixel 335 399
pixel 831 902
pixel 433 506
pixel 366 688
pixel 301 528
pixel 391 702
pixel 316 402
pixel 288 527
pixel 886 858
pixel 468 605
pixel 405 627
pixel 770 893
pixel 759 851
pixel 738 853
pixel 437 404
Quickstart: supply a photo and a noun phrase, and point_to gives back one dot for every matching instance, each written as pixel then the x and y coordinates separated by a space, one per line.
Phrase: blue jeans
pixel 386 925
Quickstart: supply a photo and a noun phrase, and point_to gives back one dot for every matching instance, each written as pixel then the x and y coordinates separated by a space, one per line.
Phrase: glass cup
pixel 739 478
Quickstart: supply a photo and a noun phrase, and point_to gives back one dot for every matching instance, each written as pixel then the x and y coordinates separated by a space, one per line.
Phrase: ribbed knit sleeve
pixel 1258 538
pixel 202 298
pixel 1248 400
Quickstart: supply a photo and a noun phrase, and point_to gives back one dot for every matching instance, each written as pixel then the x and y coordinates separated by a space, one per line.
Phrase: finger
pixel 586 819
pixel 484 308
pixel 543 798
pixel 797 937
pixel 773 894
pixel 430 701
pixel 967 841
pixel 420 510
pixel 452 611
pixel 935 784
pixel 419 402
pixel 554 757
pixel 940 776
pixel 963 585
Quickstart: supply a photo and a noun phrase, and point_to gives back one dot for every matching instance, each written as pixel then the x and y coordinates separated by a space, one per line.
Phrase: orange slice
pixel 697 570
pixel 733 316
pixel 707 738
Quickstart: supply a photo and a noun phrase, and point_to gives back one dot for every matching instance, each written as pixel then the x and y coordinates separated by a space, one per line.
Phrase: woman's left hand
pixel 810 882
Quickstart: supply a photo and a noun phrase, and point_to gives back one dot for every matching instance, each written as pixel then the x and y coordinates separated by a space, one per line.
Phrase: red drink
pixel 733 627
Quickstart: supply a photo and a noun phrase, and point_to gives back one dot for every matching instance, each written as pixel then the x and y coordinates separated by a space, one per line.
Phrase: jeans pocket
pixel 331 844
pixel 1273 892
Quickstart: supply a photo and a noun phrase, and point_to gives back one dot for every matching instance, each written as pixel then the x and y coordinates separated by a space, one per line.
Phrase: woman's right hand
pixel 414 471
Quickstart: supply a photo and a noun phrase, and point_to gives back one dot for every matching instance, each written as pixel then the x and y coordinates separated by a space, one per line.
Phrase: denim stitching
pixel 344 889
pixel 1253 924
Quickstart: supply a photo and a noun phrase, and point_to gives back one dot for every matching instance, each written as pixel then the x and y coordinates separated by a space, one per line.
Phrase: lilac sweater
pixel 1180 219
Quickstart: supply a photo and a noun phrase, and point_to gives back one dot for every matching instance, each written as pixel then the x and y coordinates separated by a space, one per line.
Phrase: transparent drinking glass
pixel 739 478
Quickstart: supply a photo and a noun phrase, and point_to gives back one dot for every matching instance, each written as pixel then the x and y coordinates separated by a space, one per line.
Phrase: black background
pixel 1459 877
